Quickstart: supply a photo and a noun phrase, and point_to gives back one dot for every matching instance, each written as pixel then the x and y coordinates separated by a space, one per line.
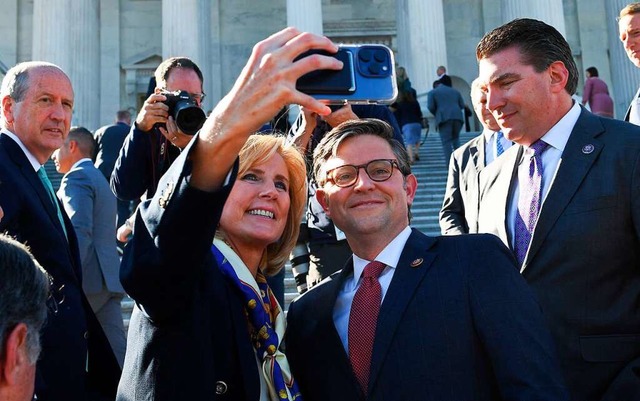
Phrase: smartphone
pixel 367 76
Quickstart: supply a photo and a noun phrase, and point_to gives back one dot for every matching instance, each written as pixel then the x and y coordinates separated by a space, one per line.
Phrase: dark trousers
pixel 450 137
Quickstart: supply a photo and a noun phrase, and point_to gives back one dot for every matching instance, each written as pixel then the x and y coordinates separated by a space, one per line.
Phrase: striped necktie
pixel 42 174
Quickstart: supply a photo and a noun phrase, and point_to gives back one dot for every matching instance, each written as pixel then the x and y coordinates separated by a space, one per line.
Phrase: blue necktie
pixel 529 200
pixel 42 174
pixel 499 148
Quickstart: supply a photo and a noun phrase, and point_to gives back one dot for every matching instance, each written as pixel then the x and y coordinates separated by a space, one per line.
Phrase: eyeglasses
pixel 198 97
pixel 378 170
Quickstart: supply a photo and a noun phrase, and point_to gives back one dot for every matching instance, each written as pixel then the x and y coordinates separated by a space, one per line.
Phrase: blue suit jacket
pixel 584 258
pixel 445 103
pixel 89 201
pixel 31 217
pixel 458 322
pixel 188 336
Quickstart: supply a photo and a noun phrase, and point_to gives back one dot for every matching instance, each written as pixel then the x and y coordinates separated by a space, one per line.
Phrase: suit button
pixel 86 335
pixel 221 387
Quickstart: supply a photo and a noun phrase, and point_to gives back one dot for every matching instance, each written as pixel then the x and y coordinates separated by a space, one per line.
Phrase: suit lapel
pixel 480 153
pixel 26 169
pixel 414 263
pixel 495 186
pixel 322 324
pixel 578 156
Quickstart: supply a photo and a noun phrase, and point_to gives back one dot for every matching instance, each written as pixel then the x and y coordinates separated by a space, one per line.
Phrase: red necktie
pixel 362 322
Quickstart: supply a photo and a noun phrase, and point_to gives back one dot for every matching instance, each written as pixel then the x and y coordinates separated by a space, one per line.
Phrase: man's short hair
pixel 165 68
pixel 539 44
pixel 24 288
pixel 328 146
pixel 123 115
pixel 85 140
pixel 629 9
pixel 16 82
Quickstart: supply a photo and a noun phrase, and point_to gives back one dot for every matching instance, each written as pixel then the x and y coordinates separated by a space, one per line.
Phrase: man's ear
pixel 322 199
pixel 559 76
pixel 7 108
pixel 16 357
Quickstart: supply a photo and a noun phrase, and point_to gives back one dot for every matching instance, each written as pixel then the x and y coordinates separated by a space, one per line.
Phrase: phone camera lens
pixel 380 55
pixel 364 55
pixel 374 68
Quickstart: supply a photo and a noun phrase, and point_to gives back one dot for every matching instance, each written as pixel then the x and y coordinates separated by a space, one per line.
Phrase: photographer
pixel 155 140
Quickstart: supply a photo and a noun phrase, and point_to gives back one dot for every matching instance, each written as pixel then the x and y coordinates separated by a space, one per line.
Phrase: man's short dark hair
pixel 540 45
pixel 165 68
pixel 24 288
pixel 328 146
pixel 85 140
pixel 123 115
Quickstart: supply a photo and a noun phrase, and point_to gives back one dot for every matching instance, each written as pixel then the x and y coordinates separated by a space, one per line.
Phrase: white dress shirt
pixel 390 256
pixel 556 138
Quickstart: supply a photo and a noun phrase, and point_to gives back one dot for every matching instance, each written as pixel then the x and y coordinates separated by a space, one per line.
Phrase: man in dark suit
pixel 447 106
pixel 91 206
pixel 109 140
pixel 37 103
pixel 459 213
pixel 442 76
pixel 455 321
pixel 155 140
pixel 581 251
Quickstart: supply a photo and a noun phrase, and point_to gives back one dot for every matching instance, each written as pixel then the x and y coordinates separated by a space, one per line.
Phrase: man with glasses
pixel 444 318
pixel 155 141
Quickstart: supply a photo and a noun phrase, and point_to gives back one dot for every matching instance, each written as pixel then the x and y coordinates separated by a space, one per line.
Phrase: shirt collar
pixel 32 159
pixel 488 135
pixel 76 164
pixel 390 255
pixel 558 135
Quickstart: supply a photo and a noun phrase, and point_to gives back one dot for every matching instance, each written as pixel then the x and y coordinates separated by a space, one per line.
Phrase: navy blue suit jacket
pixel 71 329
pixel 188 336
pixel 458 322
pixel 584 257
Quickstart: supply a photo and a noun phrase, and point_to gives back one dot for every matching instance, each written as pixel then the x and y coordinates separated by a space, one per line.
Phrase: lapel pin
pixel 417 262
pixel 588 149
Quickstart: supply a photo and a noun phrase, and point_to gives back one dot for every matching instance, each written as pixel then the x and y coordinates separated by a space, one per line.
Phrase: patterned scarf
pixel 262 311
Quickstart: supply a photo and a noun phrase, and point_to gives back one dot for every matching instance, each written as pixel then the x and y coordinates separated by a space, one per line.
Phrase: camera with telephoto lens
pixel 189 117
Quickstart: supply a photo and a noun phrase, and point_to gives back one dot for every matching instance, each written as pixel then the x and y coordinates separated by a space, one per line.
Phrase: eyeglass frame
pixel 393 162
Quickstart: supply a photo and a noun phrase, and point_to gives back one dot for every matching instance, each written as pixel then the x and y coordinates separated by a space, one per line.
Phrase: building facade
pixel 110 48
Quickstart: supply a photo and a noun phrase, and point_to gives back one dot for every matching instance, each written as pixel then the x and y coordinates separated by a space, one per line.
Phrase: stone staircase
pixel 431 171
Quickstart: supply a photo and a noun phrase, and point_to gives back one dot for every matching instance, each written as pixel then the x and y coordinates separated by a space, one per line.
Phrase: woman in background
pixel 596 94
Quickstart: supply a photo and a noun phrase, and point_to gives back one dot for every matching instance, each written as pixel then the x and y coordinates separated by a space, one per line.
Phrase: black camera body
pixel 189 117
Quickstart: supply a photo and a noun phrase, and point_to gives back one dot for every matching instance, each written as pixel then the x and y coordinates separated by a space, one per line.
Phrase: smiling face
pixel 525 103
pixel 367 208
pixel 255 213
pixel 42 118
pixel 629 29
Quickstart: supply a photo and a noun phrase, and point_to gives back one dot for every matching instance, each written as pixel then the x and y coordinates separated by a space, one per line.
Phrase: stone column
pixel 422 43
pixel 549 11
pixel 84 69
pixel 625 77
pixel 51 32
pixel 186 31
pixel 110 61
pixel 64 33
pixel 306 15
